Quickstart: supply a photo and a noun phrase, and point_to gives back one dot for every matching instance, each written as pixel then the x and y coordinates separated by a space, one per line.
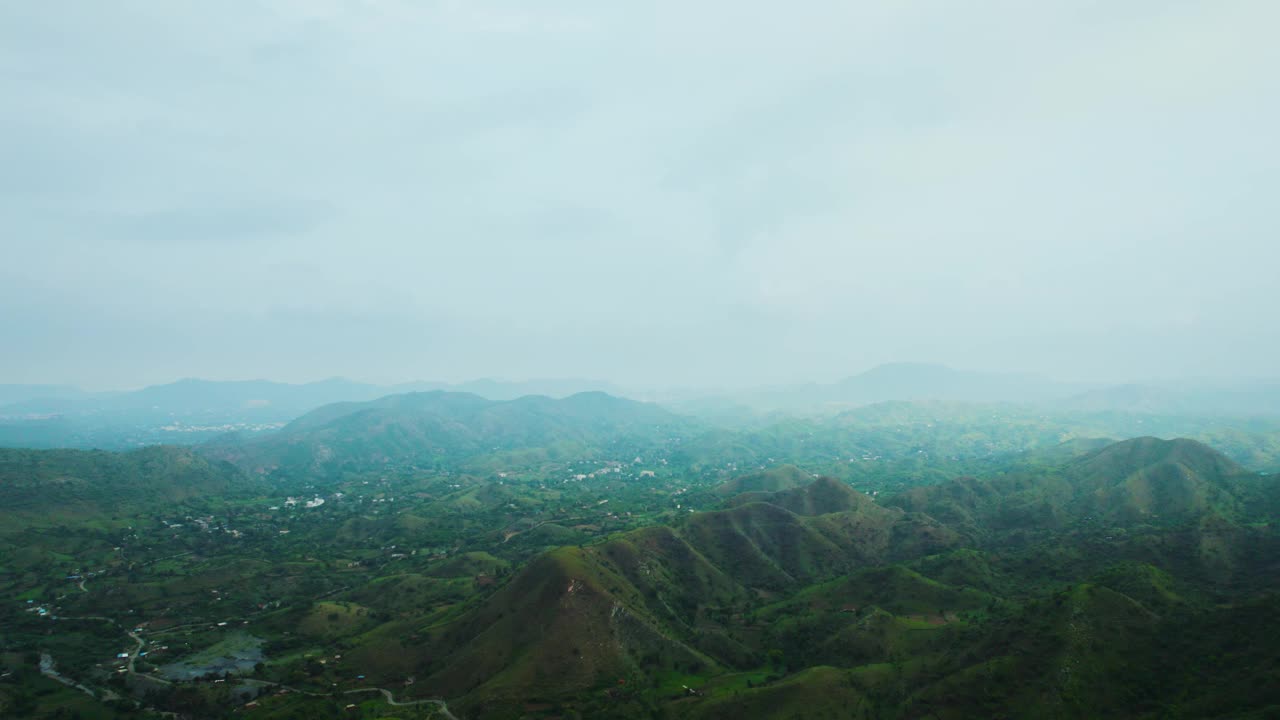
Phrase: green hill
pixel 467 565
pixel 46 487
pixel 582 617
pixel 808 532
pixel 570 621
pixel 964 567
pixel 1156 589
pixel 1151 478
pixel 762 545
pixel 819 497
pixel 1144 480
pixel 430 428
pixel 782 477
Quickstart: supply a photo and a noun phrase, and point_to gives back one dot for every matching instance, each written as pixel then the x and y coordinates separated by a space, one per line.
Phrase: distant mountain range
pixel 250 400
pixel 10 394
pixel 911 382
pixel 263 399
pixel 1248 399
pixel 922 382
pixel 192 410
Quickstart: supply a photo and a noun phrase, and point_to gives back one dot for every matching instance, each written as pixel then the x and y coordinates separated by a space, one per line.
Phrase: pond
pixel 236 654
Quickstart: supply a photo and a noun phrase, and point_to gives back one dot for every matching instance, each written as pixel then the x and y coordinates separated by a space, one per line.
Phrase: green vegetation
pixel 598 558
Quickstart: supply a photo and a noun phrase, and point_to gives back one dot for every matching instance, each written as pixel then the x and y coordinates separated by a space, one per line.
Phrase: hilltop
pixel 819 497
pixel 782 477
pixel 1138 480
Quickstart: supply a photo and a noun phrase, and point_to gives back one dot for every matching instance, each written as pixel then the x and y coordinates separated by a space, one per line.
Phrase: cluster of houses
pixel 206 524
pixel 40 610
pixel 611 467
pixel 314 502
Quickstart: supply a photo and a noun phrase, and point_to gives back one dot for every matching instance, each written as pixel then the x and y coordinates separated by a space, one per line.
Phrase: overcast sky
pixel 653 193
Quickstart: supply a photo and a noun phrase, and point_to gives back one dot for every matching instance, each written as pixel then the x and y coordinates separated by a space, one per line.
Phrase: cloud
pixel 640 190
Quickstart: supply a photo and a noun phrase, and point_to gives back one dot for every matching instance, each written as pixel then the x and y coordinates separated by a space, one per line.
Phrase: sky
pixel 653 193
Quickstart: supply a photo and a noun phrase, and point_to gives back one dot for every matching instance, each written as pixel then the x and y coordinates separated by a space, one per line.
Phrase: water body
pixel 237 654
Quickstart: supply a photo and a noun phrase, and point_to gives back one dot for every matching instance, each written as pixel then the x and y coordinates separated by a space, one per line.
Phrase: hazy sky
pixel 647 192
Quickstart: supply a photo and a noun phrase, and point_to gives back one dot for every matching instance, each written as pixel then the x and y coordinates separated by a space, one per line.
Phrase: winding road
pixel 391 700
pixel 386 694
pixel 49 670
pixel 133 656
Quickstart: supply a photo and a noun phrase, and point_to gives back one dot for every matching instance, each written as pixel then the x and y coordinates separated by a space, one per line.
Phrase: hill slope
pixel 582 617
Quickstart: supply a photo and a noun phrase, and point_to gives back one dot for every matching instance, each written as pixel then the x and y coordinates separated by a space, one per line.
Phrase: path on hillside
pixel 391 700
pixel 133 656
pixel 49 669
pixel 167 557
pixel 386 694
pixel 506 536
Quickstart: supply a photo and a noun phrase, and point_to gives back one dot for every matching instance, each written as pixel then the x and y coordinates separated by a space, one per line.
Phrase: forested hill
pixel 46 486
pixel 434 428
pixel 1140 480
